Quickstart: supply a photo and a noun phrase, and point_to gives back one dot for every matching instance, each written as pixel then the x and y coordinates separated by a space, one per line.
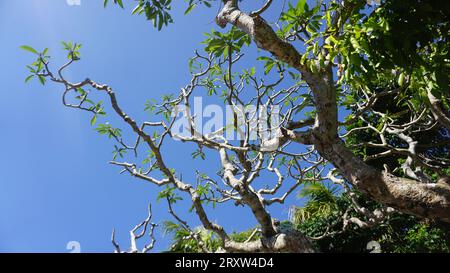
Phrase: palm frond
pixel 321 202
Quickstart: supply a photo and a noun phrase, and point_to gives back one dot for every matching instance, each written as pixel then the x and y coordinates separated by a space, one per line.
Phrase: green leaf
pixel 41 79
pixel 94 120
pixel 29 49
pixel 401 79
pixel 29 78
pixel 355 43
pixel 300 6
pixel 137 9
pixel 160 21
pixel 190 8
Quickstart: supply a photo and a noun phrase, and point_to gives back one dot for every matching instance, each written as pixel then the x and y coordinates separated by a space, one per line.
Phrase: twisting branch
pixel 262 9
pixel 437 111
pixel 134 236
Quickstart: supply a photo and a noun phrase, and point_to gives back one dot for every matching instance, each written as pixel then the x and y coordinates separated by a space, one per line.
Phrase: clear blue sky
pixel 55 183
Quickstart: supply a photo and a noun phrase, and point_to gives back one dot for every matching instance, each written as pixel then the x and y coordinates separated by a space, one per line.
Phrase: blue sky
pixel 55 183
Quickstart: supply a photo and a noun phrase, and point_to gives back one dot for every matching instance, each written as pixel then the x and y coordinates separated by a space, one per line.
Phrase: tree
pixel 317 60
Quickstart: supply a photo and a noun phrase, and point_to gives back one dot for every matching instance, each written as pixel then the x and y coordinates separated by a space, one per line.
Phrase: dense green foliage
pixel 183 242
pixel 399 234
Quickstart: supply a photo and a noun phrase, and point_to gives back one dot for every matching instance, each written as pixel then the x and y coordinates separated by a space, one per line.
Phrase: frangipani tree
pixel 320 58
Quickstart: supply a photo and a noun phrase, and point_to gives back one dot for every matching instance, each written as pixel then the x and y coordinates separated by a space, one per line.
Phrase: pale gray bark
pixel 438 113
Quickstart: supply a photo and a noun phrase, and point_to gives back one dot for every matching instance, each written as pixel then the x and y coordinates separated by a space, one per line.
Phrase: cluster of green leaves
pixel 163 109
pixel 222 43
pixel 420 237
pixel 244 236
pixel 399 46
pixel 213 80
pixel 107 129
pixel 322 201
pixel 194 3
pixel 111 132
pixel 118 152
pixel 400 234
pixel 169 193
pixel 154 10
pixel 269 64
pixel 410 38
pixel 207 195
pixel 37 68
pixel 300 18
pixel 198 153
pixel 73 50
pixel 308 24
pixel 158 11
pixel 98 109
pixel 182 242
